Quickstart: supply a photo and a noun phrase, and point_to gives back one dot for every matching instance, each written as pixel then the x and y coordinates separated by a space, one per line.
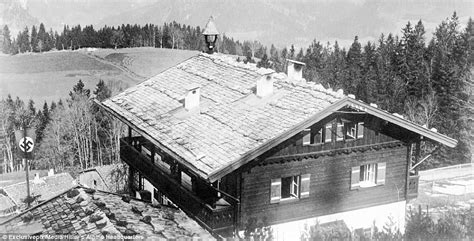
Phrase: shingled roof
pixel 81 211
pixel 232 122
pixel 232 119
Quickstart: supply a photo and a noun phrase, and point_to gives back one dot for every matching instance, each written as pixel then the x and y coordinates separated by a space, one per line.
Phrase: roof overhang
pixel 346 102
pixel 152 140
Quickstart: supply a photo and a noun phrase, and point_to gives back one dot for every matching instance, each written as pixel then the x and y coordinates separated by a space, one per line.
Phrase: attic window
pixel 317 135
pixel 347 130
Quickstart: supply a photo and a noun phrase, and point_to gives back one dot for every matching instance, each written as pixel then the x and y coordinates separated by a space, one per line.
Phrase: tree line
pixel 169 35
pixel 428 81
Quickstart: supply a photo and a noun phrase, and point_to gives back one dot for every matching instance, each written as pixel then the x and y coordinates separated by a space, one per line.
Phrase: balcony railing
pixel 413 186
pixel 217 219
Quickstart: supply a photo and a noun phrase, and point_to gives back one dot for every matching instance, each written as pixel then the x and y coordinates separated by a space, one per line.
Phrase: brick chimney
pixel 193 96
pixel 295 70
pixel 265 86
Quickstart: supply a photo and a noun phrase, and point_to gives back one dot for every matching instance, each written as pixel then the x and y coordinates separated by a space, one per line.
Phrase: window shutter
pixel 275 194
pixel 355 177
pixel 360 130
pixel 339 132
pixel 305 183
pixel 328 133
pixel 381 167
pixel 306 137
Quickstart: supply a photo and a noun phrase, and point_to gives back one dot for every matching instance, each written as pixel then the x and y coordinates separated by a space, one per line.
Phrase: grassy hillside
pixel 144 62
pixel 50 76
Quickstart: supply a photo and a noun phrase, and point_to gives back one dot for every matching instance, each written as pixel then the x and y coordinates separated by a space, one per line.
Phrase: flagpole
pixel 25 158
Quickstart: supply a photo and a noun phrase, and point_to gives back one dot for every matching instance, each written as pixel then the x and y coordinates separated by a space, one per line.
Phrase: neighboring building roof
pixel 46 187
pixel 81 211
pixel 108 174
pixel 233 125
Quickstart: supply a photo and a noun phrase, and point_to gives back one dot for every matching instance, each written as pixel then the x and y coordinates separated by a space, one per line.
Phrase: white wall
pixel 361 218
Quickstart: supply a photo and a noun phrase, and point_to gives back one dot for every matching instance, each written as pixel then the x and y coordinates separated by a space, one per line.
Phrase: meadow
pixel 50 76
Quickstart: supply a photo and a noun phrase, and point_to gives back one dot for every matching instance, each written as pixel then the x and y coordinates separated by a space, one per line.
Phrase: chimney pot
pixel 295 70
pixel 193 96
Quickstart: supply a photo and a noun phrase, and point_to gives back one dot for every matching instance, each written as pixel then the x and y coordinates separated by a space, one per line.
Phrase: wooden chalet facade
pixel 230 143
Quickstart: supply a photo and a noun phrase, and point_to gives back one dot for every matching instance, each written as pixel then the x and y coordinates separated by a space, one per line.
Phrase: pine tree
pixel 7 42
pixel 102 92
pixel 42 38
pixel 34 39
pixel 450 74
pixel 23 41
pixel 354 67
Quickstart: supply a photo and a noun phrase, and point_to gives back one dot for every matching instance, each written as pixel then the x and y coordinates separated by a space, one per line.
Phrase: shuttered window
pixel 381 167
pixel 306 137
pixel 305 181
pixel 275 195
pixel 289 188
pixel 328 133
pixel 368 175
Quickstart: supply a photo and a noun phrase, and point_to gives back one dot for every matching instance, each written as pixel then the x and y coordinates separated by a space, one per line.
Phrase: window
pixel 312 136
pixel 368 175
pixel 292 187
pixel 354 130
pixel 146 152
pixel 164 166
pixel 186 181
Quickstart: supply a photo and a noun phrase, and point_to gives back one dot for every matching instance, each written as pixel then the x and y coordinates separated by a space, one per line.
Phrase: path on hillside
pixel 138 78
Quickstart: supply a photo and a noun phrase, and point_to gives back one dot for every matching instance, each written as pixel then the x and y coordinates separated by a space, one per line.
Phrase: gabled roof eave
pixel 252 154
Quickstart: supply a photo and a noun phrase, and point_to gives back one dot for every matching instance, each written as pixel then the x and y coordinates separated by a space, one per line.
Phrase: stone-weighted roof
pixel 81 211
pixel 232 119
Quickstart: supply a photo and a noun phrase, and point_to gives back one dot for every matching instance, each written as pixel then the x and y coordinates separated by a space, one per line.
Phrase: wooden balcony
pixel 217 218
pixel 412 191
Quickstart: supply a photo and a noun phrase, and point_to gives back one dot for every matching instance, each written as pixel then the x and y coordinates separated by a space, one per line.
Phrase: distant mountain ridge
pixel 15 14
pixel 281 22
